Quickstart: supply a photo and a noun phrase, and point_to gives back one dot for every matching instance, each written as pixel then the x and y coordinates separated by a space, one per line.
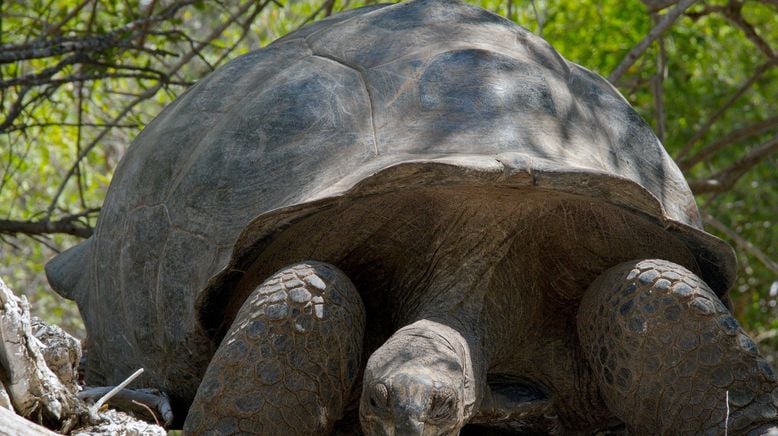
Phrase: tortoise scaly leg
pixel 288 363
pixel 670 358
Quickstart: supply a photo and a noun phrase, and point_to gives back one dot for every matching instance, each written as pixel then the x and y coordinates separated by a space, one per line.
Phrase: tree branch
pixel 69 225
pixel 148 93
pixel 657 85
pixel 44 48
pixel 725 179
pixel 16 108
pixel 41 78
pixel 53 30
pixel 723 108
pixel 658 5
pixel 732 137
pixel 741 242
pixel 734 12
pixel 633 55
pixel 16 128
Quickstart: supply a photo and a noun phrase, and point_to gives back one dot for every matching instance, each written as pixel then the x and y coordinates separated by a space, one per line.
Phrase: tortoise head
pixel 418 383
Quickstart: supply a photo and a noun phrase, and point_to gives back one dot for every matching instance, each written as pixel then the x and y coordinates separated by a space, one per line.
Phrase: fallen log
pixel 12 424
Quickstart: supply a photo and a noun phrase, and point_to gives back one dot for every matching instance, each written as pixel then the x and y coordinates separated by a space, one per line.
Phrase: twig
pixel 16 108
pixel 95 407
pixel 658 5
pixel 734 12
pixel 538 18
pixel 765 335
pixel 665 23
pixel 56 28
pixel 706 10
pixel 63 124
pixel 657 85
pixel 723 108
pixel 43 48
pixel 154 415
pixel 79 137
pixel 741 242
pixel 732 137
pixel 326 4
pixel 245 27
pixel 42 77
pixel 42 240
pixel 148 93
pixel 724 179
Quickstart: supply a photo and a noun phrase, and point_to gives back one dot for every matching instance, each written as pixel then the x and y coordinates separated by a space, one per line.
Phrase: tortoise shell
pixel 386 99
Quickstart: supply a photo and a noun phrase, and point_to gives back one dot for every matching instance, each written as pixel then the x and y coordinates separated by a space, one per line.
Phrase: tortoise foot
pixel 669 357
pixel 289 360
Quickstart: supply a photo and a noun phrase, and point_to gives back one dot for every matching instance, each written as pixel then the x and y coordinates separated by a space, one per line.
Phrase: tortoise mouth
pixel 386 232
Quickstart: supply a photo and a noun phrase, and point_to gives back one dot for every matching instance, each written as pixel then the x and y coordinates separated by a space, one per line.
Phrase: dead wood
pixel 13 424
pixel 39 383
pixel 35 391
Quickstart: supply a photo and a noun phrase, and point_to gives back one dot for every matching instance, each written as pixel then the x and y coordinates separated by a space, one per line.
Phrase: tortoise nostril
pixel 409 427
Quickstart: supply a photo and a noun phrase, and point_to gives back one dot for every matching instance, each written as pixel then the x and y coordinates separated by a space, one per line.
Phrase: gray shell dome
pixel 370 101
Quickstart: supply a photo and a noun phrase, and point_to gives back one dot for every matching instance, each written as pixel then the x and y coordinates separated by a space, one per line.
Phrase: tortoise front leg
pixel 289 361
pixel 670 358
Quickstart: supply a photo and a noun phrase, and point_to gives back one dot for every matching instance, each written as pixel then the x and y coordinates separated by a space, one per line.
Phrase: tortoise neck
pixel 445 307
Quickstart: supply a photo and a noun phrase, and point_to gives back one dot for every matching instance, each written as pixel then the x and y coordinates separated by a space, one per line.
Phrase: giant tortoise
pixel 411 218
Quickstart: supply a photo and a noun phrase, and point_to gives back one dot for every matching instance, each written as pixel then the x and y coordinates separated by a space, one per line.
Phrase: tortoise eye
pixel 379 396
pixel 442 406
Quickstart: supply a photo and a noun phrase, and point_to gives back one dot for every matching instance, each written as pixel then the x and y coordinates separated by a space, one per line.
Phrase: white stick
pixel 114 391
pixel 726 419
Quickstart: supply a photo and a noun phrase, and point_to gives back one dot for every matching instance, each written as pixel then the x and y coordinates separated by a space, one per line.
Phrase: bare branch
pixel 63 124
pixel 730 138
pixel 741 242
pixel 664 24
pixel 538 18
pixel 55 29
pixel 95 407
pixel 148 93
pixel 725 179
pixel 44 48
pixel 758 72
pixel 658 5
pixel 734 12
pixel 16 108
pixel 69 225
pixel 38 81
pixel 245 27
pixel 41 78
pixel 657 85
pixel 325 5
pixel 705 10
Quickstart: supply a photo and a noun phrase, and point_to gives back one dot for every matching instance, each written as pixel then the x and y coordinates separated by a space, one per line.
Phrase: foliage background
pixel 79 79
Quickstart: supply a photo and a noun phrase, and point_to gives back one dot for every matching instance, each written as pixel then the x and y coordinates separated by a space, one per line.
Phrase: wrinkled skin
pixel 416 384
